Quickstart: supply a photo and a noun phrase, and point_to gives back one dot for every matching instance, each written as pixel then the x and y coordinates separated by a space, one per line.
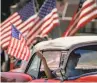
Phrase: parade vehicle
pixel 70 59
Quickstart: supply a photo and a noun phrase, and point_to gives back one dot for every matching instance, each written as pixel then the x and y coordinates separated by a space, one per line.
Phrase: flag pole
pixel 34 6
pixel 64 13
pixel 37 6
pixel 65 9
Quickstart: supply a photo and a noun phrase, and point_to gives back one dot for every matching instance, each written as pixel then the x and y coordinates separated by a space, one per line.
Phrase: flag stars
pixel 15 32
pixel 27 11
pixel 47 8
pixel 17 19
pixel 46 13
pixel 18 48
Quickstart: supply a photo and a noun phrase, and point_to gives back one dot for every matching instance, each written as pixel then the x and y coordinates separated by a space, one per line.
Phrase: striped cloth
pixel 46 20
pixel 87 13
pixel 17 46
pixel 17 19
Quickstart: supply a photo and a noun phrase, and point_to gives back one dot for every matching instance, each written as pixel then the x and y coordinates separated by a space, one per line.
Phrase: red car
pixel 70 59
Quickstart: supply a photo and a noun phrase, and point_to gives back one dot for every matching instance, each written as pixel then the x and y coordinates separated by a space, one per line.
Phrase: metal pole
pixel 65 9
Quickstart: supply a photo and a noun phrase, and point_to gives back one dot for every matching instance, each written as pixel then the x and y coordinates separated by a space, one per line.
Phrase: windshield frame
pixel 32 58
pixel 71 50
pixel 30 63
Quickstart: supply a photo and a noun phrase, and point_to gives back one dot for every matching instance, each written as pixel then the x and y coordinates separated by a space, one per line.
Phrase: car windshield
pixel 88 59
pixel 52 58
pixel 81 61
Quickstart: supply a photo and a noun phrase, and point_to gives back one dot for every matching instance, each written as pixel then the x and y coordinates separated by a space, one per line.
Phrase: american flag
pixel 46 20
pixel 69 28
pixel 17 45
pixel 19 20
pixel 87 13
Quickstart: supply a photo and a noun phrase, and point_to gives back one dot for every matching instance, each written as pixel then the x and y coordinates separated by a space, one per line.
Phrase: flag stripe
pixel 34 27
pixel 90 7
pixel 74 22
pixel 87 2
pixel 21 49
pixel 87 18
pixel 17 19
pixel 13 48
pixel 27 24
pixel 11 44
pixel 17 50
pixel 45 23
pixel 50 27
pixel 42 32
pixel 9 19
pixel 49 18
pixel 20 27
pixel 4 43
pixel 23 30
pixel 33 33
pixel 76 29
pixel 31 39
pixel 13 20
pixel 6 34
pixel 18 47
pixel 7 29
pixel 88 12
pixel 46 15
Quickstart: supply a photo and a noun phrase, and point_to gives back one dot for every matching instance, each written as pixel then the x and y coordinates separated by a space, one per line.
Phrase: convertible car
pixel 70 59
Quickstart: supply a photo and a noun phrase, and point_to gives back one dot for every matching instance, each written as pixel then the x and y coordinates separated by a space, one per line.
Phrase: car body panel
pixel 20 77
pixel 89 78
pixel 17 77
